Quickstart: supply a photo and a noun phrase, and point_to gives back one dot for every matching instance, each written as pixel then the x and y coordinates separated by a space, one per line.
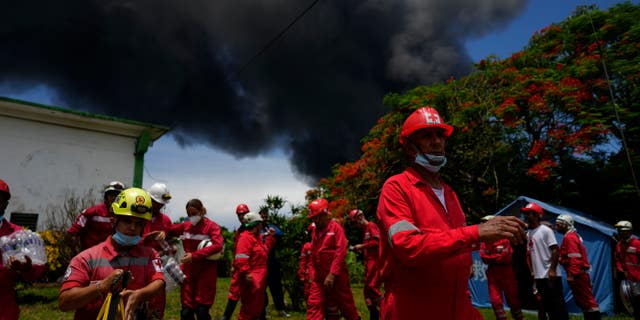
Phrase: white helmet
pixel 566 219
pixel 116 186
pixel 160 193
pixel 487 218
pixel 624 225
pixel 251 219
pixel 205 243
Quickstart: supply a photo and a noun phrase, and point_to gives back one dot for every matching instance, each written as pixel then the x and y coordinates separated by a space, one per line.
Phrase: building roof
pixel 77 119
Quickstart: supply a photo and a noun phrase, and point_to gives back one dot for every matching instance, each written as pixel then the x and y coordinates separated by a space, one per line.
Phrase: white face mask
pixel 195 219
pixel 431 162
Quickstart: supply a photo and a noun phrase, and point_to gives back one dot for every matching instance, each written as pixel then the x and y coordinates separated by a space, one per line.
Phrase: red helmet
pixel 425 117
pixel 317 207
pixel 353 213
pixel 242 209
pixel 4 187
pixel 533 207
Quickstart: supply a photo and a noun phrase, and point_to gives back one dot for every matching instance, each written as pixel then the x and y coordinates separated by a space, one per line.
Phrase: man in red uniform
pixel 15 269
pixel 160 196
pixel 500 275
pixel 370 249
pixel 573 258
pixel 234 287
pixel 93 273
pixel 250 261
pixel 426 251
pixel 305 270
pixel 627 258
pixel 330 292
pixel 94 225
pixel 198 291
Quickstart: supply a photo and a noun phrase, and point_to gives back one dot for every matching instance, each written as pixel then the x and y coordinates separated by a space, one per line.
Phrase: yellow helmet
pixel 133 202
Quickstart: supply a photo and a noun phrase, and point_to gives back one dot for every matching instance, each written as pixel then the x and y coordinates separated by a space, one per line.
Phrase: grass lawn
pixel 41 302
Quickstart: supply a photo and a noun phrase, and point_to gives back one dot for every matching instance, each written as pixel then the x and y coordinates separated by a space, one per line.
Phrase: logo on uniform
pixel 66 274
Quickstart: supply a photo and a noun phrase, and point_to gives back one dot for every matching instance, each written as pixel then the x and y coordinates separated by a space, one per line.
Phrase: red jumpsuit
pixel 10 309
pixel 573 257
pixel 328 252
pixel 199 288
pixel 305 272
pixel 501 277
pixel 251 258
pixel 234 286
pixel 426 251
pixel 92 225
pixel 627 258
pixel 159 222
pixel 98 262
pixel 371 246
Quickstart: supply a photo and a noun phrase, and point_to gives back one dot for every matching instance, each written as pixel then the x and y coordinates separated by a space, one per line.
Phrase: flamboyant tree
pixel 540 123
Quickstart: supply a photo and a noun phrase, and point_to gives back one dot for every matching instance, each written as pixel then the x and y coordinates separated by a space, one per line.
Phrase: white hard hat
pixel 487 218
pixel 205 243
pixel 624 225
pixel 251 219
pixel 565 218
pixel 160 193
pixel 114 186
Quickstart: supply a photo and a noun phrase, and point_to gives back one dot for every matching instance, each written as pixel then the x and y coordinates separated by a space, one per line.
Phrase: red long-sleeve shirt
pixel 192 235
pixel 627 258
pixel 371 241
pixel 305 266
pixel 159 222
pixel 498 252
pixel 93 225
pixel 328 250
pixel 573 255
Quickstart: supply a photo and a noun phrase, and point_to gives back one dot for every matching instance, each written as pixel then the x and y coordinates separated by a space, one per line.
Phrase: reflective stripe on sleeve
pixel 242 256
pixel 400 226
pixel 574 255
pixel 101 219
pixel 196 236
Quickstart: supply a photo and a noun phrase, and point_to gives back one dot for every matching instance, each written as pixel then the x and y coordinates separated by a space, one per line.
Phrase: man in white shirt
pixel 543 255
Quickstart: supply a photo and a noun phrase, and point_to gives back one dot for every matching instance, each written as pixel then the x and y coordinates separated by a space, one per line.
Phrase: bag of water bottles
pixel 23 243
pixel 173 275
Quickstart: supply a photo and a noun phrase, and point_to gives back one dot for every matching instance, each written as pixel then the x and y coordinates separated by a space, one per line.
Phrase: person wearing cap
pixel 330 294
pixel 96 271
pixel 305 269
pixel 543 254
pixel 497 256
pixel 574 260
pixel 160 196
pixel 426 251
pixel 234 287
pixel 369 247
pixel 627 258
pixel 93 225
pixel 16 269
pixel 198 291
pixel 250 263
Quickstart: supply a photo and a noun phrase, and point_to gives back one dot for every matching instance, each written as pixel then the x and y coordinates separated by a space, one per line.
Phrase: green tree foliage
pixel 540 123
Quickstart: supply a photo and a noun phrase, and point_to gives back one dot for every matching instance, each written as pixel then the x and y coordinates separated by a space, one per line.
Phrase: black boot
pixel 202 312
pixel 186 314
pixel 374 314
pixel 228 309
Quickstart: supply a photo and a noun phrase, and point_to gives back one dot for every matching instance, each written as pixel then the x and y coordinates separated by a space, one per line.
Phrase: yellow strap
pixel 104 310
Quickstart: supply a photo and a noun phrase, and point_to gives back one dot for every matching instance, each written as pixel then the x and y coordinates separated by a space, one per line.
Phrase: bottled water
pixel 173 275
pixel 23 243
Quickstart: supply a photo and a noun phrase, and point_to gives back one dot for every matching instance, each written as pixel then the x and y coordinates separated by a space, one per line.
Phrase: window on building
pixel 26 220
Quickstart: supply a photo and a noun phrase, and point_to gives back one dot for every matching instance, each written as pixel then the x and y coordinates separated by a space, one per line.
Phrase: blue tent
pixel 597 237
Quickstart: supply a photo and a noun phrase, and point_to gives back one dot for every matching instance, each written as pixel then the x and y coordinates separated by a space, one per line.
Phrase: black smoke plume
pixel 316 90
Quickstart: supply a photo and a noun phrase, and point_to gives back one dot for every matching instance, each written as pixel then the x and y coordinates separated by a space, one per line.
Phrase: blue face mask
pixel 125 240
pixel 431 162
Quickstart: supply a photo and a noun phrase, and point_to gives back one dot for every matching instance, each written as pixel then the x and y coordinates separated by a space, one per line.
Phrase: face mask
pixel 195 219
pixel 431 162
pixel 125 240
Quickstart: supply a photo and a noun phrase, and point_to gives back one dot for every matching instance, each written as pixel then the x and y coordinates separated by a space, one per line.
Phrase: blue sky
pixel 222 181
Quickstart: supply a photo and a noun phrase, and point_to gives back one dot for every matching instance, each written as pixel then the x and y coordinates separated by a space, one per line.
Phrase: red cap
pixel 533 207
pixel 425 117
pixel 242 209
pixel 353 213
pixel 4 187
pixel 317 207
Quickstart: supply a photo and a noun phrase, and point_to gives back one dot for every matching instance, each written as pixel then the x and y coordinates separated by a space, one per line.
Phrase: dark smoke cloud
pixel 317 90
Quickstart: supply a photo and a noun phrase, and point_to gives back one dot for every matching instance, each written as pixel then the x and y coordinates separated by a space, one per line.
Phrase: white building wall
pixel 45 163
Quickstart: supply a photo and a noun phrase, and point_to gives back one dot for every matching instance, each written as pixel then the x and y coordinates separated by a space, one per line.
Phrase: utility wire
pixel 277 37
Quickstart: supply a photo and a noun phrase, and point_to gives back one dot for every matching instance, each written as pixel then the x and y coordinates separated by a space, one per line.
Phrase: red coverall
pixel 98 262
pixel 371 246
pixel 234 286
pixel 501 277
pixel 573 257
pixel 305 272
pixel 92 225
pixel 159 222
pixel 10 310
pixel 199 288
pixel 426 254
pixel 328 252
pixel 627 258
pixel 251 258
